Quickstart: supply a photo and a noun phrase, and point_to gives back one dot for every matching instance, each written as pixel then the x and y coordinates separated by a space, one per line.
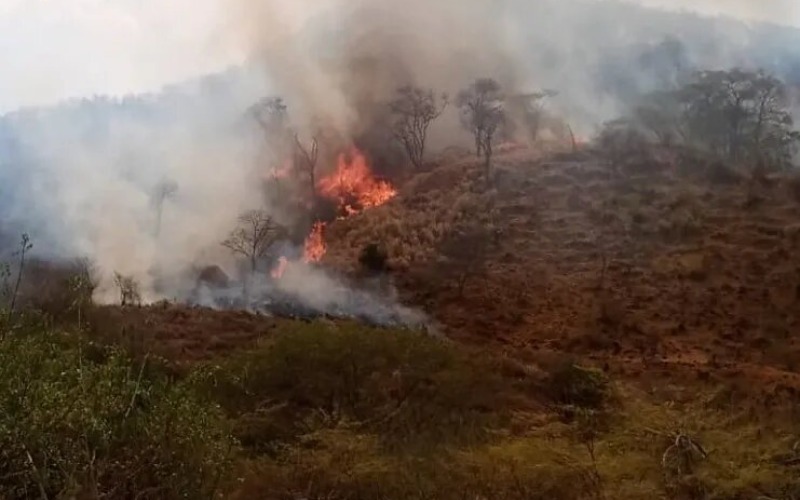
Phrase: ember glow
pixel 353 186
pixel 315 248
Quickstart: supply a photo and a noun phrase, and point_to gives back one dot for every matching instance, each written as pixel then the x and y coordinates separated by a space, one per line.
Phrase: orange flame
pixel 353 185
pixel 315 247
pixel 280 268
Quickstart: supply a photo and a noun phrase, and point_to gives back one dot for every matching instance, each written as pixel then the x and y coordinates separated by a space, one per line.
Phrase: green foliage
pixel 740 116
pixel 410 389
pixel 80 421
pixel 573 385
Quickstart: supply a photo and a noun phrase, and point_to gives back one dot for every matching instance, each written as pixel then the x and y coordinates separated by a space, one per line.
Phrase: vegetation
pixel 482 113
pixel 741 116
pixel 256 234
pixel 414 109
pixel 129 290
pixel 80 421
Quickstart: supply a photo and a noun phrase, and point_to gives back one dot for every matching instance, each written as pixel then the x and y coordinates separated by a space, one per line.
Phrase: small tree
pixel 466 250
pixel 306 162
pixel 530 110
pixel 482 113
pixel 82 285
pixel 272 115
pixel 741 116
pixel 25 246
pixel 257 232
pixel 129 290
pixel 414 109
pixel 164 190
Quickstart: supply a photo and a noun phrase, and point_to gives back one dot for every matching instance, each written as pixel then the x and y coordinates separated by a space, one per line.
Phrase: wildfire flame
pixel 314 248
pixel 354 188
pixel 353 185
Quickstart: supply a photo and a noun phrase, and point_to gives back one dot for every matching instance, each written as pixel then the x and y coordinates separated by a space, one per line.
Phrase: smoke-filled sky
pixel 57 49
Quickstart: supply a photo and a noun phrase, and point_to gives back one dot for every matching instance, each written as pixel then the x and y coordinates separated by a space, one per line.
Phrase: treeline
pixel 741 116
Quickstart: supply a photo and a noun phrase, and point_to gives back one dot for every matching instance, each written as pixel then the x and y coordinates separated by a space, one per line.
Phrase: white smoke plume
pixel 80 177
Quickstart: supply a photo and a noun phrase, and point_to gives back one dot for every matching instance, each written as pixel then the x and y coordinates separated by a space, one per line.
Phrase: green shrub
pixel 573 385
pixel 83 421
pixel 405 386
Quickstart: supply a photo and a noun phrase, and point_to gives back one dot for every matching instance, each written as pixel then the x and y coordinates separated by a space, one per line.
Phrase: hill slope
pixel 671 264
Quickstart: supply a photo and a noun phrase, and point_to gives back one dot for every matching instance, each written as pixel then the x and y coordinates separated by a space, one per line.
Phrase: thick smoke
pixel 338 61
pixel 80 177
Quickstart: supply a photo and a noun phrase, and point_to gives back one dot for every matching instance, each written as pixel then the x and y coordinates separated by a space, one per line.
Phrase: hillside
pixel 671 265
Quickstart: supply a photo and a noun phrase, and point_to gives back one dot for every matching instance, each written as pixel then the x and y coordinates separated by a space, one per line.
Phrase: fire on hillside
pixel 353 188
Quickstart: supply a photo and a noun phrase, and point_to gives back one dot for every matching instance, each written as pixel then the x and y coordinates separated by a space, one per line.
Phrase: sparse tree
pixel 741 116
pixel 10 292
pixel 414 109
pixel 164 190
pixel 272 116
pixel 257 232
pixel 129 290
pixel 530 110
pixel 306 162
pixel 82 285
pixel 25 246
pixel 466 250
pixel 482 113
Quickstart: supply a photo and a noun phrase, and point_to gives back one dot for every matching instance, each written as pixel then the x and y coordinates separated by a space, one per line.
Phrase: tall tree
pixel 482 113
pixel 256 233
pixel 413 110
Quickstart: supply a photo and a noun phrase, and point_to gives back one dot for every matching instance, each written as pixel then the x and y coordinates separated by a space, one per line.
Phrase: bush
pixel 82 421
pixel 575 386
pixel 406 387
pixel 373 259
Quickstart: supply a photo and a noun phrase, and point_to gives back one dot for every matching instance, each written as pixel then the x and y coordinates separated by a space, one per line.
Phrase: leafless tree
pixel 272 115
pixel 306 162
pixel 529 109
pixel 82 284
pixel 414 109
pixel 466 250
pixel 9 292
pixel 164 190
pixel 129 290
pixel 482 113
pixel 257 232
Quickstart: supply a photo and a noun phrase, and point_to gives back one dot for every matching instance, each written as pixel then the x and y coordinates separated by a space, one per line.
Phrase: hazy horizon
pixel 61 50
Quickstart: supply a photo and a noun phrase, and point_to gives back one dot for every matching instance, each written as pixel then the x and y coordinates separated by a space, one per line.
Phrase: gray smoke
pixel 80 177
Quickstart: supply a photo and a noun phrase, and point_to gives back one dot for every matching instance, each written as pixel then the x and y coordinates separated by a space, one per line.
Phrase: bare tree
pixel 272 115
pixel 414 109
pixel 164 190
pixel 256 233
pixel 529 109
pixel 482 113
pixel 306 162
pixel 466 250
pixel 129 290
pixel 82 284
pixel 9 292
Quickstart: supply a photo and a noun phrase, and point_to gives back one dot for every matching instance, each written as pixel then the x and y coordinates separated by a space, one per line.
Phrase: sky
pixel 52 50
